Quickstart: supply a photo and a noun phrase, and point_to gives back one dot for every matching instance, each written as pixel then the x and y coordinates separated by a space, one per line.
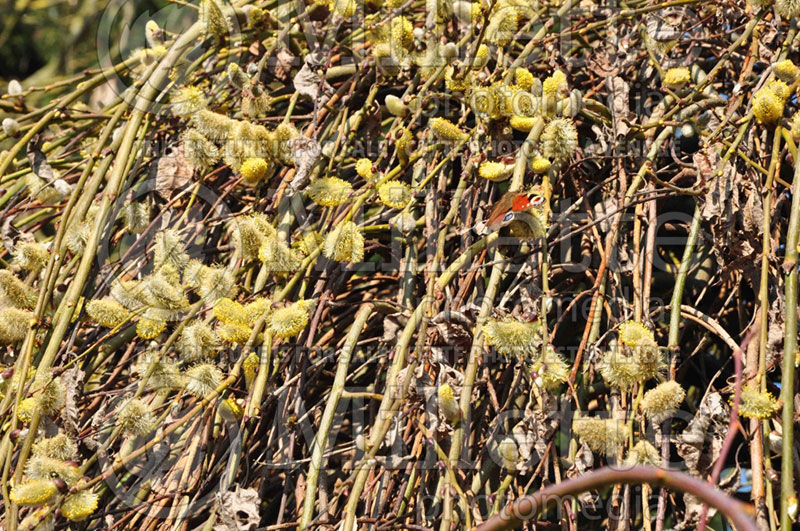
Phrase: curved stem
pixel 513 515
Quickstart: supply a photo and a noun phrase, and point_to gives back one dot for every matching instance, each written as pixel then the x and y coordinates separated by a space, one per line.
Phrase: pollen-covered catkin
pixel 511 337
pixel 14 324
pixel 395 194
pixel 446 130
pixel 345 243
pixel 663 401
pixel 330 191
pixel 290 320
pixel 448 404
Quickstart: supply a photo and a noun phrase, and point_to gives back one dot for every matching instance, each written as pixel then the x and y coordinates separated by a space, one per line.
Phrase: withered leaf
pixel 700 443
pixel 173 171
pixel 238 510
pixel 282 66
pixel 72 380
pixel 306 152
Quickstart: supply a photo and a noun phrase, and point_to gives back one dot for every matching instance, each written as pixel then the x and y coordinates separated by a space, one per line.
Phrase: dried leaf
pixel 283 64
pixel 173 171
pixel 662 28
pixel 700 443
pixel 237 510
pixel 306 152
pixel 38 160
pixel 584 461
pixel 72 380
pixel 454 327
pixel 620 105
pixel 308 83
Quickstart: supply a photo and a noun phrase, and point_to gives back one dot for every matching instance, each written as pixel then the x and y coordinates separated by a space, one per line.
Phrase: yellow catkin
pixel 395 194
pixel 511 337
pixel 676 78
pixel 253 170
pixel 767 107
pixel 495 171
pixel 330 191
pixel 446 130
pixel 80 505
pixel 107 312
pixel 33 493
pixel 757 404
pixel 448 404
pixel 150 328
pixel 661 402
pixel 345 243
pixel 290 320
pixel 364 169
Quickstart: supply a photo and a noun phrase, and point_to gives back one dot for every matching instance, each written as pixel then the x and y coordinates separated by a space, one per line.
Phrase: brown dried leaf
pixel 700 443
pixel 38 160
pixel 620 105
pixel 308 83
pixel 72 380
pixel 306 152
pixel 173 171
pixel 454 327
pixel 283 64
pixel 237 510
pixel 391 326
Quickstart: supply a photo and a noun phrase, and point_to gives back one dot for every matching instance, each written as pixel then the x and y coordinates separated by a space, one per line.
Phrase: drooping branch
pixel 528 507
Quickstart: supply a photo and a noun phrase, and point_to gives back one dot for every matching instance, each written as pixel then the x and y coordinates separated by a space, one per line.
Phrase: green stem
pixel 789 354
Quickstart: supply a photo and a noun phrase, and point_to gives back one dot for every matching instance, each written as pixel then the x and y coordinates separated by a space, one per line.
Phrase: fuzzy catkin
pixel 345 243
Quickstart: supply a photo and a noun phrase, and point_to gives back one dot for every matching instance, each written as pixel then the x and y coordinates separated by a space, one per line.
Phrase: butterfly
pixel 522 212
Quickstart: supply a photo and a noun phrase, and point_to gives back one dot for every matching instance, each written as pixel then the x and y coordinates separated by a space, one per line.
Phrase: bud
pixel 509 453
pixel 450 52
pixel 11 127
pixel 395 105
pixel 14 88
pixel 153 34
pixel 238 78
